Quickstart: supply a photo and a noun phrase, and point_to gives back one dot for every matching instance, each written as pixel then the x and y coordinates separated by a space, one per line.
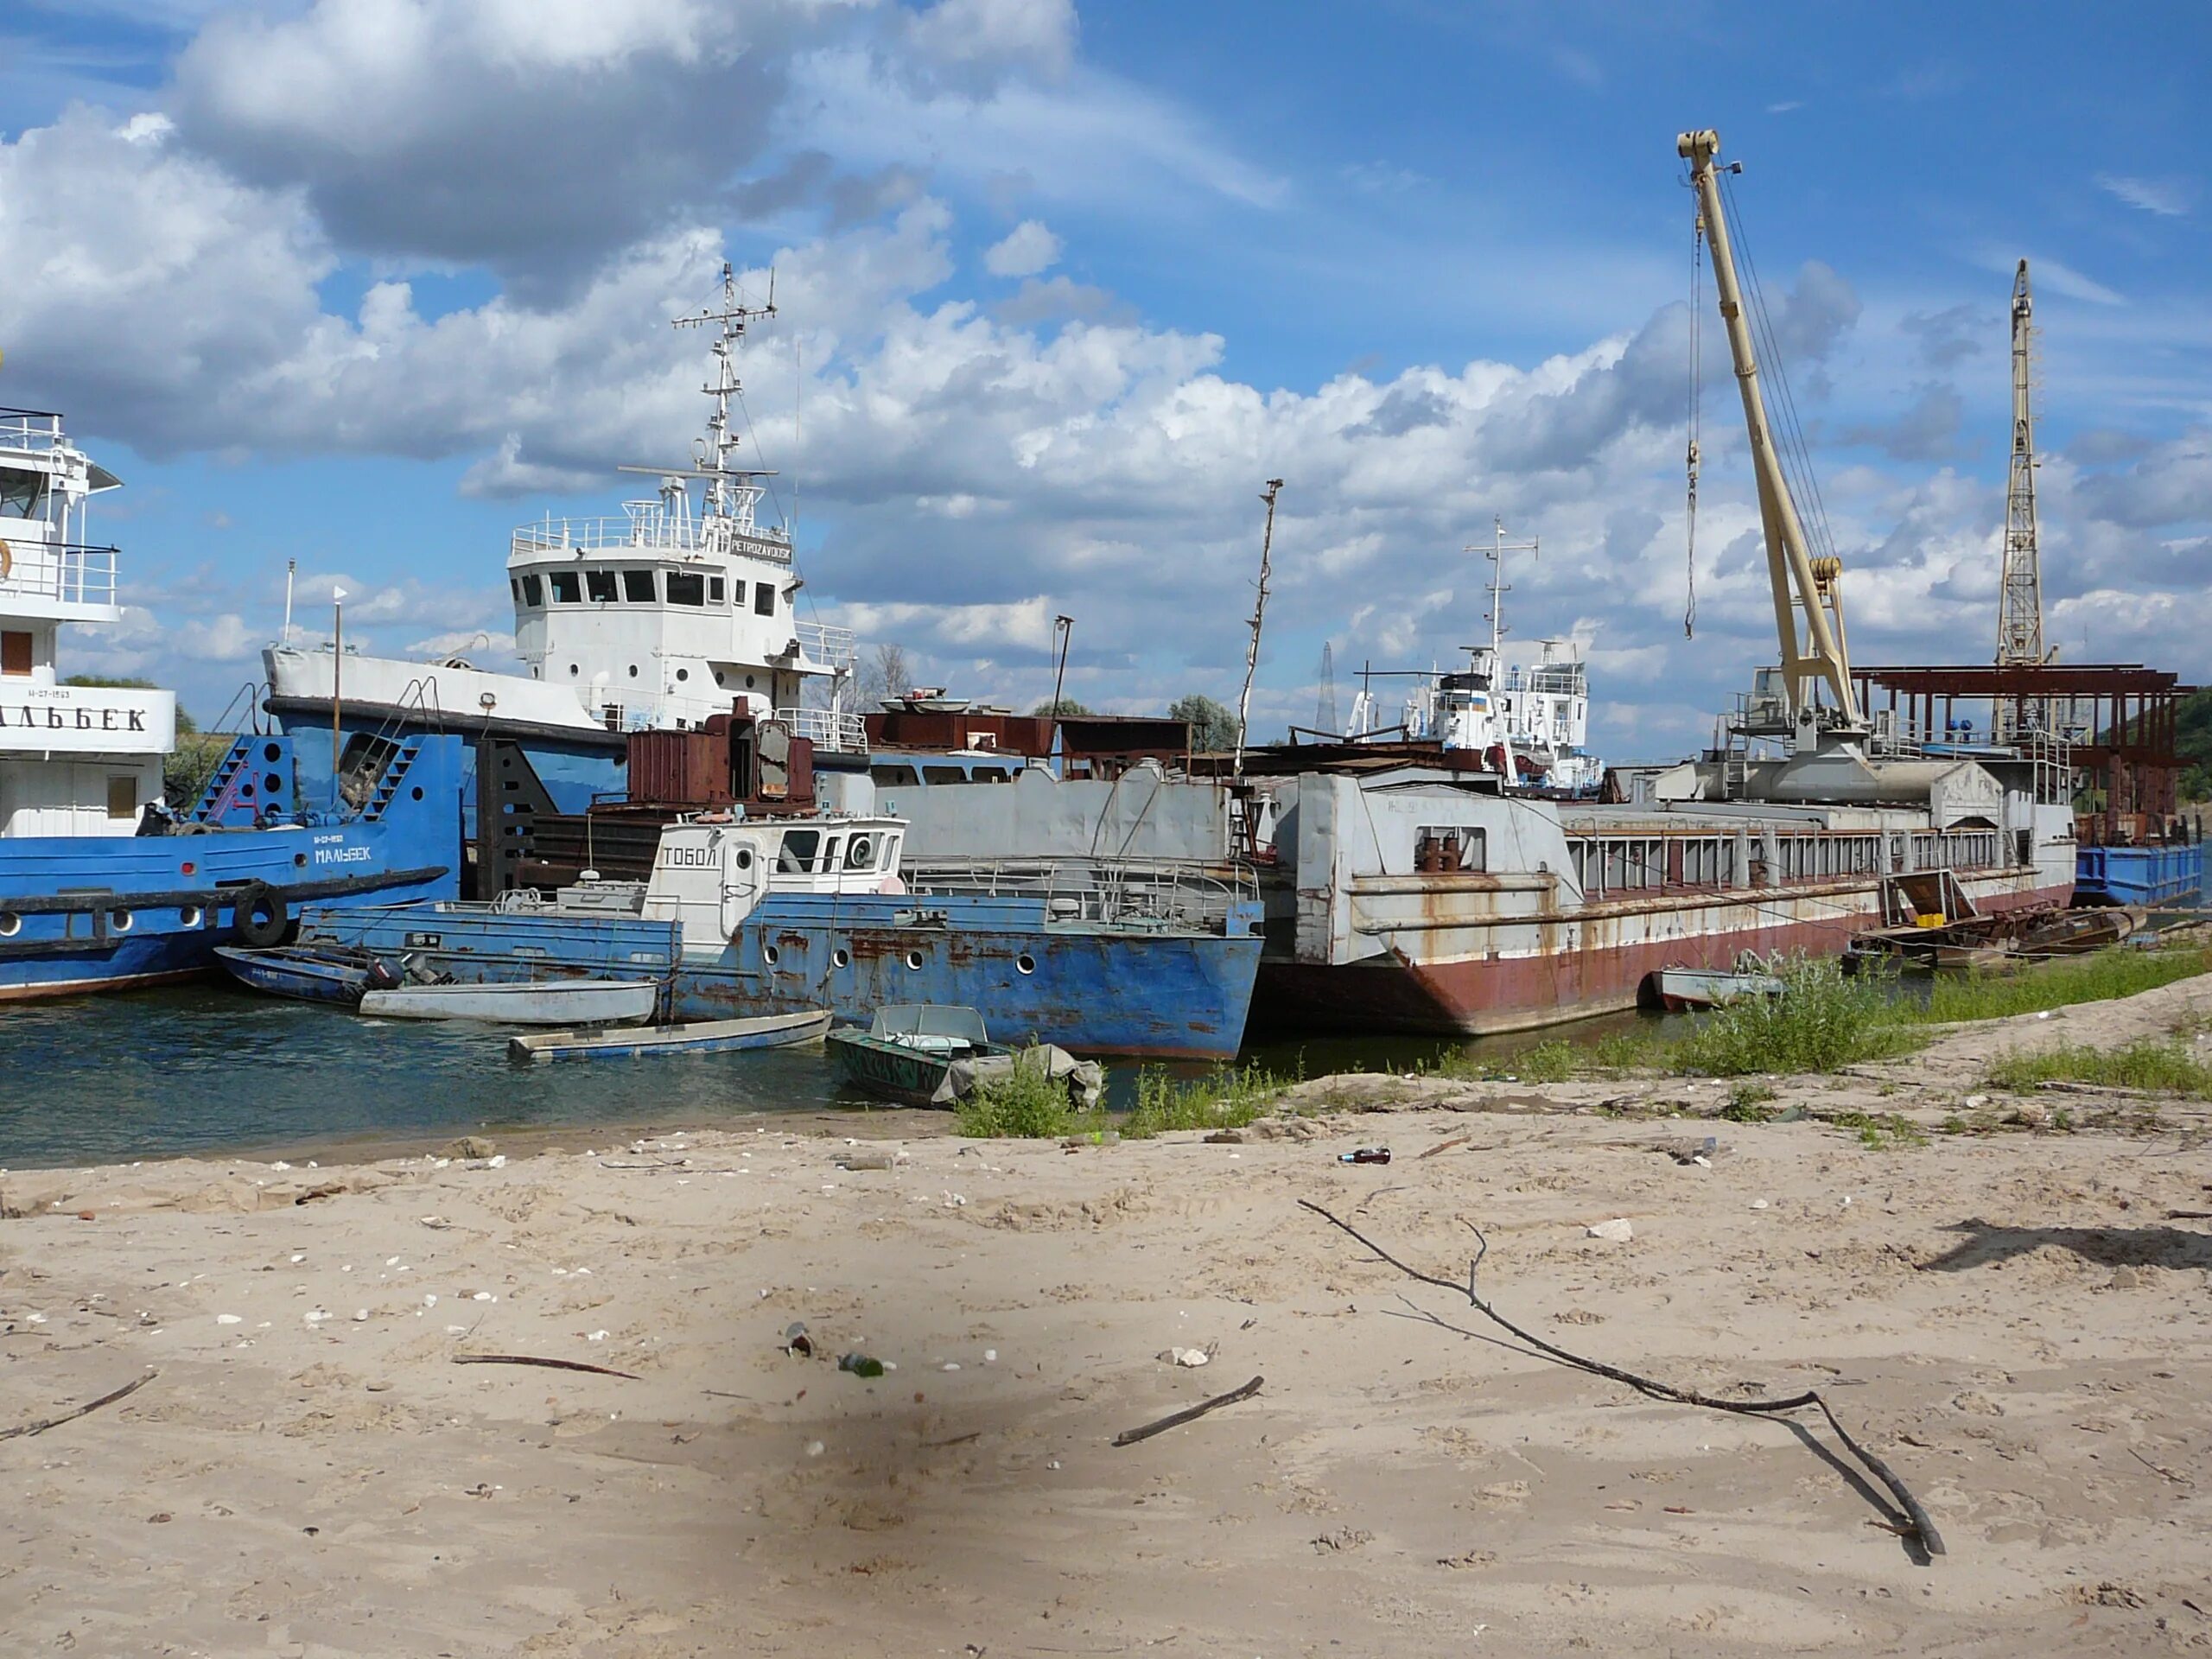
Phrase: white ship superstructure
pixel 668 613
pixel 75 760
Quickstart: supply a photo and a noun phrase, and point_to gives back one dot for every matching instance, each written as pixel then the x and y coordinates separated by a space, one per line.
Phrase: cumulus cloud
pixel 1026 250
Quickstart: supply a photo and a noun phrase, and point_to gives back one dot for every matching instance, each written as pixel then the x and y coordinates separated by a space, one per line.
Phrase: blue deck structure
pixel 2142 876
pixel 83 913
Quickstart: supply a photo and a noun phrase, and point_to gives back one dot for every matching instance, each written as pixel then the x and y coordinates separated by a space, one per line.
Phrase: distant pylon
pixel 1324 712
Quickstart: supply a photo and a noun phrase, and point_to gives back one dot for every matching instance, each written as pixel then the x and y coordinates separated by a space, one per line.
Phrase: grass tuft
pixel 2098 977
pixel 2155 1067
pixel 1228 1097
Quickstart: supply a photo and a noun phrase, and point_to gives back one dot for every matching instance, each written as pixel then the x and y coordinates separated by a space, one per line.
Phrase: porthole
pixel 190 916
pixel 840 957
pixel 118 921
pixel 1026 964
pixel 633 670
pixel 272 783
pixel 718 678
pixel 748 681
pixel 914 960
pixel 271 754
pixel 768 953
pixel 683 674
pixel 299 860
pixel 10 924
pixel 417 794
pixel 745 858
pixel 572 668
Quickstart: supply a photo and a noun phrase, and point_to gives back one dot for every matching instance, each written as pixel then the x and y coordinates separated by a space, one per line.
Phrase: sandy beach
pixel 2012 1320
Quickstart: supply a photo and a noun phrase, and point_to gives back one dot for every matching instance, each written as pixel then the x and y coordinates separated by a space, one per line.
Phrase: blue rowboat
pixel 310 975
pixel 698 1037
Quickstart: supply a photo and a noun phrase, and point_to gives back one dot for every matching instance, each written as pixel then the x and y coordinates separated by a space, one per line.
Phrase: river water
pixel 206 1069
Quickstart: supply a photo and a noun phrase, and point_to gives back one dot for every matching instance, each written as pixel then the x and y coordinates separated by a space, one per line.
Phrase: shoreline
pixel 2013 1321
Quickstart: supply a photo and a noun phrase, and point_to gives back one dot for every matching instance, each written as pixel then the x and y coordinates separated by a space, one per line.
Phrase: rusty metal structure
pixel 2117 721
pixel 2019 604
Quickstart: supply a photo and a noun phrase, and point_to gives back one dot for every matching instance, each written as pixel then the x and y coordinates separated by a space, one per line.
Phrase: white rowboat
pixel 539 1003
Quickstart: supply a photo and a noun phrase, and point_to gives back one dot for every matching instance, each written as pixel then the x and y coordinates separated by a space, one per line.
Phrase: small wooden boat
pixel 327 974
pixel 2075 932
pixel 1710 988
pixel 699 1037
pixel 530 1003
pixel 926 1054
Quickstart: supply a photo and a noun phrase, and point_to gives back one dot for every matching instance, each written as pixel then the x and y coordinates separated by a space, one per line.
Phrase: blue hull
pixel 82 913
pixel 2139 875
pixel 297 974
pixel 1089 989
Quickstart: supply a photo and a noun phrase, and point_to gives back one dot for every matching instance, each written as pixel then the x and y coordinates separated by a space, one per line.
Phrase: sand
pixel 2012 1320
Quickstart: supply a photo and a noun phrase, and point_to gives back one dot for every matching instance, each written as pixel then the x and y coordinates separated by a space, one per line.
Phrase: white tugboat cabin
pixel 75 760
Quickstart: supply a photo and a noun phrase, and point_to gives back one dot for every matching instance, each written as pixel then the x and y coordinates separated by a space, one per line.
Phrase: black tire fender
pixel 263 919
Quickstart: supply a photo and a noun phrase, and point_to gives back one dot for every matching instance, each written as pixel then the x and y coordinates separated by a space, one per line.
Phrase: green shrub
pixel 1822 1021
pixel 1028 1103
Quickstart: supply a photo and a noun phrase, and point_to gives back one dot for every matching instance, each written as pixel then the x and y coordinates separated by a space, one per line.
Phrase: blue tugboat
pixel 101 885
pixel 742 917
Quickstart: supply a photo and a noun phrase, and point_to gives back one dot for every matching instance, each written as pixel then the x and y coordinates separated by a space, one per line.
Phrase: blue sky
pixel 1062 286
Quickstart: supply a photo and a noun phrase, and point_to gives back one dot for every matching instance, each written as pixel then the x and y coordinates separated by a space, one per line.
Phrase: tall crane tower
pixel 2019 605
pixel 1801 583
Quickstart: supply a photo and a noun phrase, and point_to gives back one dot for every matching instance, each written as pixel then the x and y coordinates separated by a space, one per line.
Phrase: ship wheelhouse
pixel 74 759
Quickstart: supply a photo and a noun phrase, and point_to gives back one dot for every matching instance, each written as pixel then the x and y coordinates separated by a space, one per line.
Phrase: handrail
pixel 74 573
pixel 1127 891
pixel 250 691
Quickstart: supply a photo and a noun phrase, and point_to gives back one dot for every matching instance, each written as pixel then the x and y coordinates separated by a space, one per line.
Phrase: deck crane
pixel 1801 581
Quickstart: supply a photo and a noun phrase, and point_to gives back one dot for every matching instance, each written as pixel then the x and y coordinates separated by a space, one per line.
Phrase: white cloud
pixel 2169 198
pixel 1026 250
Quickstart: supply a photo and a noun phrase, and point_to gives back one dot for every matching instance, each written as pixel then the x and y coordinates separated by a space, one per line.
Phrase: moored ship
pixel 101 885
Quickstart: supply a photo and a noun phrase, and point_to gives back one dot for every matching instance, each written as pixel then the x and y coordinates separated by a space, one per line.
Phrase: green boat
pixel 927 1054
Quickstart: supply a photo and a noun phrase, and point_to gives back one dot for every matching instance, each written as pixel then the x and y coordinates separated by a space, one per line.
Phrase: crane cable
pixel 1697 374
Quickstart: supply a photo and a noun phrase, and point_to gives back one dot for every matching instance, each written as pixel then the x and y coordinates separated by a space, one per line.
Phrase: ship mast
pixel 730 493
pixel 2019 613
pixel 1259 615
pixel 1799 581
pixel 1498 585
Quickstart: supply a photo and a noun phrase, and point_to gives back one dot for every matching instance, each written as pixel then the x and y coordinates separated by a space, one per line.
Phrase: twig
pixel 550 1364
pixel 2189 1215
pixel 1131 1436
pixel 86 1409
pixel 1923 1527
pixel 2162 1472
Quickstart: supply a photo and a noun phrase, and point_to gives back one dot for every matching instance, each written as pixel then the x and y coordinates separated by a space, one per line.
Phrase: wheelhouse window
pixel 764 598
pixel 638 586
pixel 714 590
pixel 515 582
pixel 944 775
pixel 22 493
pixel 892 777
pixel 567 590
pixel 795 853
pixel 860 854
pixel 598 586
pixel 533 591
pixel 686 587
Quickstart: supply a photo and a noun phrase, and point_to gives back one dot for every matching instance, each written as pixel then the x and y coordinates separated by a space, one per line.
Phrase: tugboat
pixel 102 885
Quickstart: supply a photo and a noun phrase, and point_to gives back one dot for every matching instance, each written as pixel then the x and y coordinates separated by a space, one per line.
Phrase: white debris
pixel 596 1336
pixel 1617 1229
pixel 1758 1204
pixel 228 1319
pixel 497 1160
pixel 315 1315
pixel 431 1299
pixel 990 1356
pixel 299 1256
pixel 951 1365
pixel 483 1296
pixel 1702 1161
pixel 392 1261
pixel 1973 1102
pixel 360 1316
pixel 1192 1357
pixel 815 1448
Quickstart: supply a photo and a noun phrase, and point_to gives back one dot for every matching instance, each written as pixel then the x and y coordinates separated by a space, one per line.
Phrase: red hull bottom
pixel 1473 996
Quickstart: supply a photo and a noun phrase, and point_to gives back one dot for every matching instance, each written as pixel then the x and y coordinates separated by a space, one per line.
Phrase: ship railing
pixel 32 429
pixel 66 571
pixel 651 532
pixel 1129 893
pixel 821 643
pixel 827 728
